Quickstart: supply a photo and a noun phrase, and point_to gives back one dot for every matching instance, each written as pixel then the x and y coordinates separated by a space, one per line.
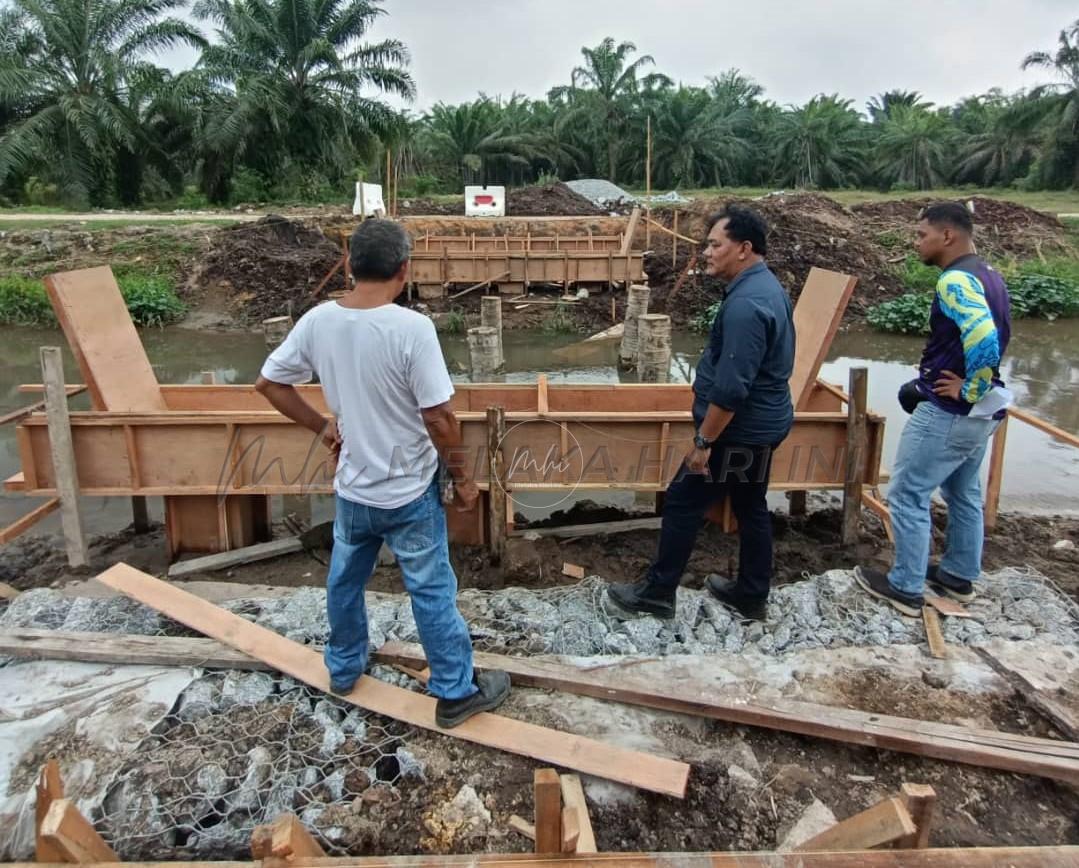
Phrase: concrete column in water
pixel 654 354
pixel 636 307
pixel 276 329
pixel 491 316
pixel 483 351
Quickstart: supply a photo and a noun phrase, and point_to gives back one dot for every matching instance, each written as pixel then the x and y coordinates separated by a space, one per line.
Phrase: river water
pixel 1042 368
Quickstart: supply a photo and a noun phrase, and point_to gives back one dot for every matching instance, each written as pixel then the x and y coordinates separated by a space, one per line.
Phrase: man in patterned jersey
pixel 956 403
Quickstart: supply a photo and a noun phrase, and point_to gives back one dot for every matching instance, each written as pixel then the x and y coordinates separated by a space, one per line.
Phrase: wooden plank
pixel 542 402
pixel 1039 423
pixel 520 824
pixel 571 830
pixel 497 530
pixel 481 284
pixel 49 788
pixel 72 834
pixel 32 643
pixel 23 524
pixel 947 606
pixel 880 510
pixel 1065 856
pixel 15 482
pixel 7 592
pixel 1062 717
pixel 561 749
pixel 885 822
pixel 987 748
pixel 548 798
pixel 95 320
pixel 631 230
pixel 855 454
pixel 574 571
pixel 933 634
pixel 235 557
pixel 920 800
pixel 573 798
pixel 817 316
pixel 63 456
pixel 996 475
pixel 23 412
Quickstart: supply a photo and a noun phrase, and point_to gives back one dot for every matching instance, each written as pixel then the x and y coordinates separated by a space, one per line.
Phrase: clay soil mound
pixel 1002 229
pixel 268 267
pixel 805 230
pixel 548 200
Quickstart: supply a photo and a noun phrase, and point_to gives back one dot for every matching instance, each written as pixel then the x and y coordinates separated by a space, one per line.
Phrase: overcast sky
pixel 946 49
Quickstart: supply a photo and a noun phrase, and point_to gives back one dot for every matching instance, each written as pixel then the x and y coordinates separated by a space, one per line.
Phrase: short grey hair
pixel 378 249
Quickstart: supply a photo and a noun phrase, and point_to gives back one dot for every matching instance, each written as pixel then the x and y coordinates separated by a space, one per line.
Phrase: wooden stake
pixel 496 432
pixel 520 824
pixel 548 795
pixel 933 634
pixel 674 241
pixel 23 524
pixel 885 822
pixel 72 835
pixel 856 453
pixel 996 475
pixel 285 838
pixel 63 455
pixel 571 830
pixel 140 515
pixel 920 801
pixel 631 230
pixel 49 789
pixel 573 798
pixel 648 186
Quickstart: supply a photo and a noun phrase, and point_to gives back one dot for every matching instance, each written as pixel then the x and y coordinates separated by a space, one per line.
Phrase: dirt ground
pixel 804 545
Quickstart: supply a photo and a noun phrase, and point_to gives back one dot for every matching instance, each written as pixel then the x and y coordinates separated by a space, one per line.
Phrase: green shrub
pixel 906 315
pixel 150 299
pixel 454 323
pixel 891 240
pixel 560 322
pixel 916 275
pixel 702 322
pixel 1061 267
pixel 23 302
pixel 1038 295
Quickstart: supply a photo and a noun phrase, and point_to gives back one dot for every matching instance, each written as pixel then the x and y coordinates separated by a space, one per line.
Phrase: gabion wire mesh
pixel 239 748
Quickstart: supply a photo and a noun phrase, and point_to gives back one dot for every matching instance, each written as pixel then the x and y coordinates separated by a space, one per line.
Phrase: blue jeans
pixel 938 450
pixel 416 534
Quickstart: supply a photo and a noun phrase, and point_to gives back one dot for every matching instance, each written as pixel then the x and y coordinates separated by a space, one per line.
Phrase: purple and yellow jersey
pixel 969 329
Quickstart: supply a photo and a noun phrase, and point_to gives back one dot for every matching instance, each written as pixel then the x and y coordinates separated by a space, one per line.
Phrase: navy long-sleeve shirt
pixel 747 365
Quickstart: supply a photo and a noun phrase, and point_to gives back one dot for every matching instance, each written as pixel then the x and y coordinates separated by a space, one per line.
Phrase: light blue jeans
pixel 416 534
pixel 938 450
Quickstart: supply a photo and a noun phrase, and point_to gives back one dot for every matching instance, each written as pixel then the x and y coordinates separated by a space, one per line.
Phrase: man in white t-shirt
pixel 386 383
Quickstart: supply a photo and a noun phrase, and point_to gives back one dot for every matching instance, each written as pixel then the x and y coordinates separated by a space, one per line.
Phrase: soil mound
pixel 547 200
pixel 271 266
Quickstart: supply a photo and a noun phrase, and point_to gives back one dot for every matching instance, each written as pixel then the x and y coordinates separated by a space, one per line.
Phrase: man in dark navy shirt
pixel 742 409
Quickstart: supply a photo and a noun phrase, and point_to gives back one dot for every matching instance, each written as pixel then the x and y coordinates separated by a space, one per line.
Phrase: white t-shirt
pixel 378 368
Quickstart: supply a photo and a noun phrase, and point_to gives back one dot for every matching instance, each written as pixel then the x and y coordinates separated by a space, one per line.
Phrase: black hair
pixel 952 214
pixel 743 224
pixel 378 250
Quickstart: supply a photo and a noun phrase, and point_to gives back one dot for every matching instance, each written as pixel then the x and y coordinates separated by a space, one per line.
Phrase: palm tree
pixel 819 144
pixel 284 84
pixel 732 90
pixel 911 148
pixel 603 90
pixel 1060 166
pixel 880 107
pixel 696 141
pixel 1005 148
pixel 467 139
pixel 66 69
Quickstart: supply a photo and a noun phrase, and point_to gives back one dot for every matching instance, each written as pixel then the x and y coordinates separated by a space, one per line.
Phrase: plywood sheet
pixel 817 316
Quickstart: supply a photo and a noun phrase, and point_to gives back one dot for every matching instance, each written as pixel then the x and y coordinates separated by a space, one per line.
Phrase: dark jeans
pixel 737 472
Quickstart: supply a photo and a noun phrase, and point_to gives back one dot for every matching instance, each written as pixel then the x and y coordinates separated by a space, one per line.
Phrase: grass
pixel 1055 201
pixel 150 296
pixel 10 224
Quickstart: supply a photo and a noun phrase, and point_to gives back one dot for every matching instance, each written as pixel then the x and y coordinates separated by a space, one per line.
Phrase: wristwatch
pixel 701 443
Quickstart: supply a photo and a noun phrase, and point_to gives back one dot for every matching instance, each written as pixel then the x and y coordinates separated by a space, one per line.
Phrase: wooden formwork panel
pixel 526 267
pixel 263 453
pixel 497 243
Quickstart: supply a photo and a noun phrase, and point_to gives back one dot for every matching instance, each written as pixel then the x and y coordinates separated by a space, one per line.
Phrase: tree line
pixel 288 101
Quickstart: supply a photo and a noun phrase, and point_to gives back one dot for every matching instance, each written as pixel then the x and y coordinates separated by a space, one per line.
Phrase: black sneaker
pixel 342 688
pixel 945 584
pixel 726 591
pixel 877 585
pixel 631 600
pixel 494 687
